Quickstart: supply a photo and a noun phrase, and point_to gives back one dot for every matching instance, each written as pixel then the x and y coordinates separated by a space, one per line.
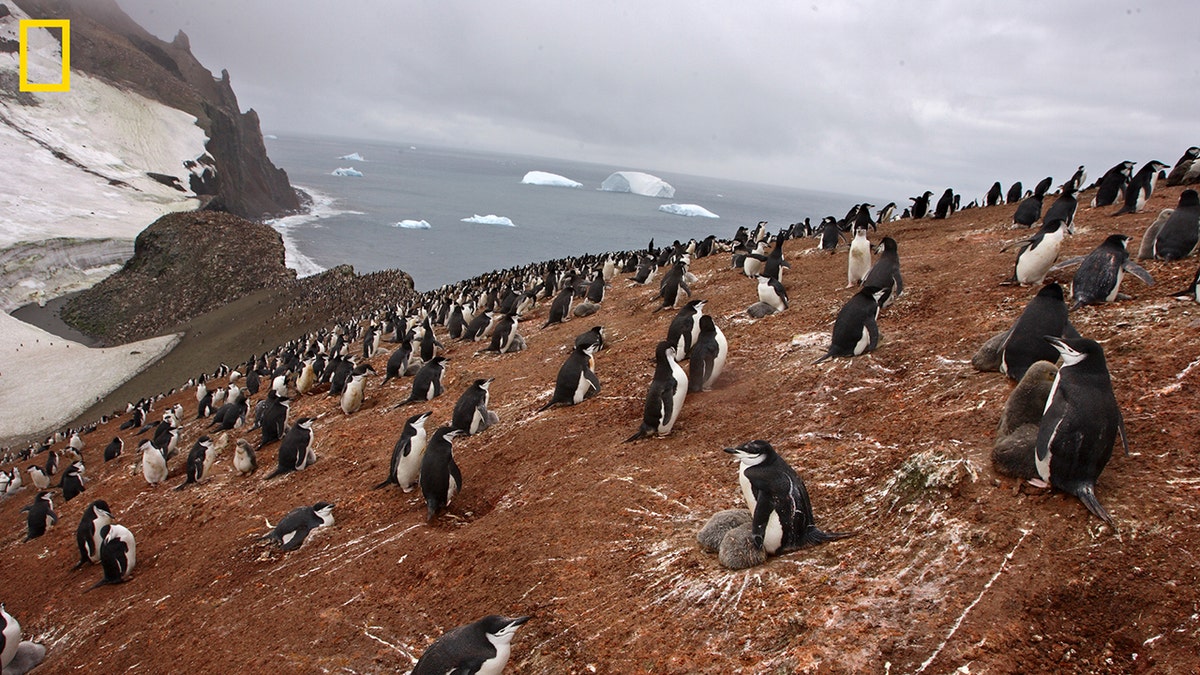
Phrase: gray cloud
pixel 867 97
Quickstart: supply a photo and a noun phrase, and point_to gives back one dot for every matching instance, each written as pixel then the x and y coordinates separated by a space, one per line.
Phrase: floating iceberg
pixel 414 224
pixel 490 219
pixel 550 179
pixel 347 171
pixel 688 210
pixel 353 157
pixel 271 137
pixel 639 184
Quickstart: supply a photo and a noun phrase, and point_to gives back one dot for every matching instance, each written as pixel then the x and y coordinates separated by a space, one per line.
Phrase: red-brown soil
pixel 953 566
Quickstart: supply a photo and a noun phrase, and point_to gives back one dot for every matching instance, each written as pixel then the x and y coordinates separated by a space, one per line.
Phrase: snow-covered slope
pixel 77 161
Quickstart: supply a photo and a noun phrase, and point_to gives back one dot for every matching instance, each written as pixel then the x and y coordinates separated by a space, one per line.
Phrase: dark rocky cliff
pixel 107 44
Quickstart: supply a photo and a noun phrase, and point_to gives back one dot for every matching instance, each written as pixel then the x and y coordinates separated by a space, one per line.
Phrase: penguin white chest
pixel 863 342
pixel 581 389
pixel 773 535
pixel 681 387
pixel 1035 262
pixel 408 468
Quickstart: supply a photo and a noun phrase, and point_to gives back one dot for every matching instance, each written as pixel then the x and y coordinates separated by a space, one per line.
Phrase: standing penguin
pixel 440 478
pixel 407 454
pixel 41 515
pixel 1038 253
pixel 1179 236
pixel 471 414
pixel 296 451
pixel 1046 314
pixel 274 418
pixel 1141 186
pixel 685 328
pixel 480 648
pixel 665 397
pixel 560 307
pixel 154 463
pixel 859 262
pixel 1014 193
pixel 995 195
pixel 1100 272
pixel 830 234
pixel 1064 207
pixel 38 477
pixel 87 535
pixel 1080 424
pixel 427 383
pixel 72 481
pixel 708 356
pixel 1112 184
pixel 113 449
pixel 505 337
pixel 295 527
pixel 672 282
pixel 885 273
pixel 118 555
pixel 355 391
pixel 777 499
pixel 920 205
pixel 245 460
pixel 576 379
pixel 199 461
pixel 855 331
pixel 945 205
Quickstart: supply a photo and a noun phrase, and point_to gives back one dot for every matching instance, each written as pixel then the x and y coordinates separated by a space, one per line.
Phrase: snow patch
pixel 413 224
pixel 549 179
pixel 638 183
pixel 353 157
pixel 693 210
pixel 116 135
pixel 40 383
pixel 347 171
pixel 490 219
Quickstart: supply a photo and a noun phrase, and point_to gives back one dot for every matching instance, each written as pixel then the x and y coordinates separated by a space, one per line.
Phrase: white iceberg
pixel 490 219
pixel 353 157
pixel 271 137
pixel 639 184
pixel 414 224
pixel 347 171
pixel 694 210
pixel 550 179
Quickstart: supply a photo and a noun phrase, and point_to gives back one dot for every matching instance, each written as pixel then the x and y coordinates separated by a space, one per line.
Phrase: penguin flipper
pixel 1121 430
pixel 873 331
pixel 1139 272
pixel 1067 263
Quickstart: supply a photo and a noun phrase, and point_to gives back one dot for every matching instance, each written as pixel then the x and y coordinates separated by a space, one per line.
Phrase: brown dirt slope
pixel 953 567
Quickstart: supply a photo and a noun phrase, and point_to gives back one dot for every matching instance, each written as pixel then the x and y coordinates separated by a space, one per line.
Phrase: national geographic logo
pixel 63 25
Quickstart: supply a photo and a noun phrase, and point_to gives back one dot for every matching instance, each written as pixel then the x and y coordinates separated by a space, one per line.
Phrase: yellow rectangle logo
pixel 65 26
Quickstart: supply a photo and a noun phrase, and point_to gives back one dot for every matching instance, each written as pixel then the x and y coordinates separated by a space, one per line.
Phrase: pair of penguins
pixel 428 461
pixel 691 335
pixel 100 540
pixel 1059 425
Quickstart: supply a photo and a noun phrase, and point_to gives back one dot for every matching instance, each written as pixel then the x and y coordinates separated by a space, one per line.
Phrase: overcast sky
pixel 871 97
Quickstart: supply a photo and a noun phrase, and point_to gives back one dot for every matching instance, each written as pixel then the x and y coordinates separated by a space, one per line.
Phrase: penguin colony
pixel 780 516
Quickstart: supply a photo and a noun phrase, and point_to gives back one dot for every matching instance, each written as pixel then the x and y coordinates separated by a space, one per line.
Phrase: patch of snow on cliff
pixel 115 133
pixel 638 183
pixel 694 210
pixel 549 179
pixel 347 171
pixel 490 219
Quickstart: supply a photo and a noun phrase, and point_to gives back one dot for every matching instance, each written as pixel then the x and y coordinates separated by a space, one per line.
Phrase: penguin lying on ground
pixel 1098 278
pixel 482 648
pixel 294 528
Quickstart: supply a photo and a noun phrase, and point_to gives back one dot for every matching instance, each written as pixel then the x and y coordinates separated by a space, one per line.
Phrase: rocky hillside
pixel 183 265
pixel 109 45
pixel 953 568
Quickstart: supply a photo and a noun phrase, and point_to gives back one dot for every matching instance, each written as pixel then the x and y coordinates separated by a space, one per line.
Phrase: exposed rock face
pixel 183 265
pixel 107 44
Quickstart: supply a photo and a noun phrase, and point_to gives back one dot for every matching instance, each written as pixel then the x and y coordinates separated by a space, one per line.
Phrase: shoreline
pixel 48 317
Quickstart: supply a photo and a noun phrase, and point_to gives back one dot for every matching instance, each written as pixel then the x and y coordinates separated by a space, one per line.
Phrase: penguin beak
pixel 518 621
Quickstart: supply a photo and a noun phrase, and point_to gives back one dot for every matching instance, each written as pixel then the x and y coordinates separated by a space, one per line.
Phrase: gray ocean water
pixel 355 219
